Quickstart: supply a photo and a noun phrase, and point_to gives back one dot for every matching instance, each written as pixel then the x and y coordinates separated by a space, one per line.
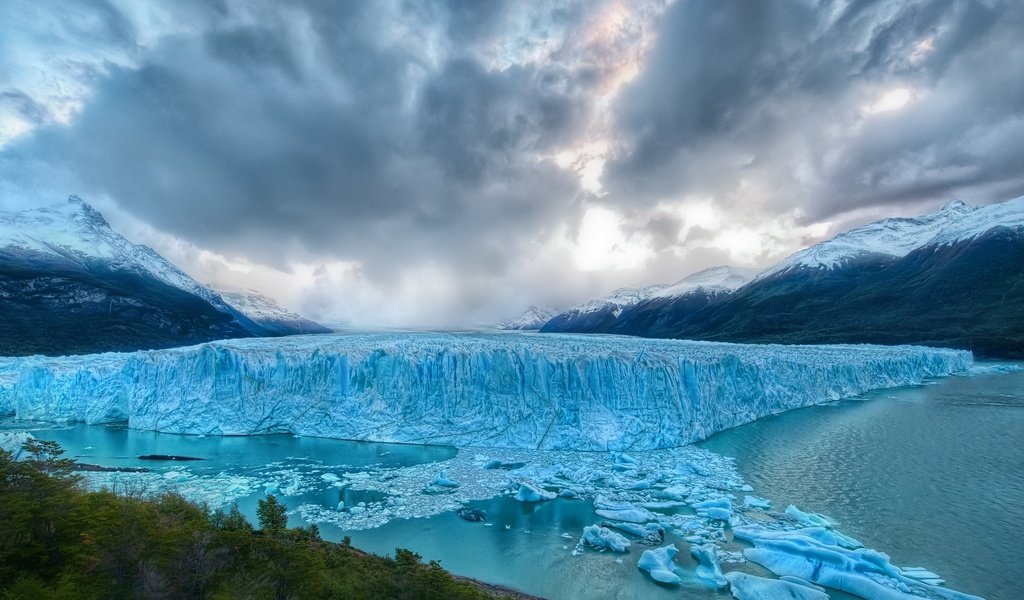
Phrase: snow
pixel 715 279
pixel 494 390
pixel 77 232
pixel 750 587
pixel 604 538
pixel 897 237
pixel 534 318
pixel 658 563
pixel 258 307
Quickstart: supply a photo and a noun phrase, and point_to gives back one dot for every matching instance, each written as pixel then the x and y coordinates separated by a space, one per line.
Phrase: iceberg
pixel 602 537
pixel 531 492
pixel 819 555
pixel 658 563
pixel 750 587
pixel 550 392
pixel 709 569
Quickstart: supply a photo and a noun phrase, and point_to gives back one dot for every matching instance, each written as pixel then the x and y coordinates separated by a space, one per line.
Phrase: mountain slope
pixel 534 318
pixel 266 313
pixel 621 310
pixel 953 278
pixel 70 284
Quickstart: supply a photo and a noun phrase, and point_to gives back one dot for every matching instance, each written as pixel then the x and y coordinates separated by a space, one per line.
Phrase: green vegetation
pixel 60 541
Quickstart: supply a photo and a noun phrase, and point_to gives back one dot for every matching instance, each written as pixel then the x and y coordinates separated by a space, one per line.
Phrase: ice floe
pixel 658 563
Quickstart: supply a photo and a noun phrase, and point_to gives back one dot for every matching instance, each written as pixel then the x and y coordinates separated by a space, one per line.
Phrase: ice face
pixel 500 390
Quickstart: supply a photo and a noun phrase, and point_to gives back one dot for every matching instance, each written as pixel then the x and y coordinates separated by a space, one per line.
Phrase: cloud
pixel 763 107
pixel 457 161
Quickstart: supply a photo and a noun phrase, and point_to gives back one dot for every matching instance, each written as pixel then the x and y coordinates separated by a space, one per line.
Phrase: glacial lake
pixel 932 475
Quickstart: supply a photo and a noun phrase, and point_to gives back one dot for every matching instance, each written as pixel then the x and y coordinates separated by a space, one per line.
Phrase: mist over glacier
pixel 497 390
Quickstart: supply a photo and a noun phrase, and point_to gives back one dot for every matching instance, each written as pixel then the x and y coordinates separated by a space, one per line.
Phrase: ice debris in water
pixel 709 570
pixel 782 542
pixel 808 518
pixel 658 563
pixel 604 538
pixel 750 587
pixel 818 555
pixel 531 492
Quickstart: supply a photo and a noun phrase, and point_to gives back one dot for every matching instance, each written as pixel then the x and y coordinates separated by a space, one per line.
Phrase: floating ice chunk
pixel 798 581
pixel 650 533
pixel 719 509
pixel 14 442
pixel 622 510
pixel 817 555
pixel 602 537
pixel 175 476
pixel 808 518
pixel 442 480
pixel 531 492
pixel 751 587
pixel 922 574
pixel 692 469
pixel 568 493
pixel 709 569
pixel 756 502
pixel 663 504
pixel 658 563
pixel 330 477
pixel 625 459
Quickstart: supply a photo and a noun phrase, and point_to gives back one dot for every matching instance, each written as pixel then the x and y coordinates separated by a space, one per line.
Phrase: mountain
pixel 269 315
pixel 70 284
pixel 952 278
pixel 629 305
pixel 534 318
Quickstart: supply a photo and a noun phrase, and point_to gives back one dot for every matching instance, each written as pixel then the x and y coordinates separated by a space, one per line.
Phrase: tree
pixel 272 515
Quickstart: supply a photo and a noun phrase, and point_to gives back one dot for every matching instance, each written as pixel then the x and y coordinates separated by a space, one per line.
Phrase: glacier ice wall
pixel 501 390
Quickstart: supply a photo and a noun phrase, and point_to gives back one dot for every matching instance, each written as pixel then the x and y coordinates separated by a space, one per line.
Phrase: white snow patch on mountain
pixel 897 237
pixel 534 318
pixel 75 231
pixel 259 307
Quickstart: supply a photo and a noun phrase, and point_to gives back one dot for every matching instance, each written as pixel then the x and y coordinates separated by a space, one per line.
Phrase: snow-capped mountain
pixel 269 315
pixel 605 314
pixel 69 283
pixel 952 278
pixel 534 318
pixel 77 232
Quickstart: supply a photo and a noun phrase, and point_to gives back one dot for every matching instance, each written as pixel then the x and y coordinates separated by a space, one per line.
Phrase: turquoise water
pixel 932 475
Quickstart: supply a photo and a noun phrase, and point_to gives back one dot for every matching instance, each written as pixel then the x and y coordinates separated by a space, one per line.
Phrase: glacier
pixel 552 392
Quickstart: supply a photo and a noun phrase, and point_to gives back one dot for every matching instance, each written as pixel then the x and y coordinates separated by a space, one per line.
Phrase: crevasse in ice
pixel 498 390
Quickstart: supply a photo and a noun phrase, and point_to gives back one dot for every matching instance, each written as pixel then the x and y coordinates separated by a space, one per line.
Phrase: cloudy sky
pixel 408 162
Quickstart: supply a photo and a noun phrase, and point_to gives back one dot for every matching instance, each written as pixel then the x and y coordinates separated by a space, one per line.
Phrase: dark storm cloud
pixel 773 92
pixel 239 136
